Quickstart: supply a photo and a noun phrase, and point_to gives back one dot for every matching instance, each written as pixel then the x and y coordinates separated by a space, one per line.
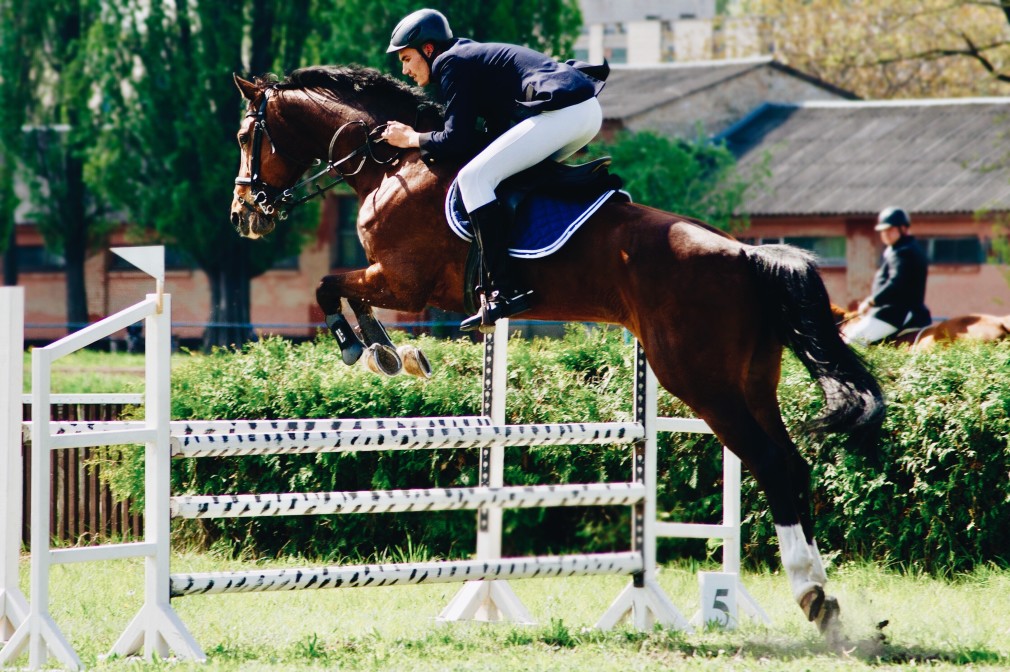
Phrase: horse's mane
pixel 343 80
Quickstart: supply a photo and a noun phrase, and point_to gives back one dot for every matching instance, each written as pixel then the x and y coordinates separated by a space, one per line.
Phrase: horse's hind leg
pixel 784 477
pixel 797 546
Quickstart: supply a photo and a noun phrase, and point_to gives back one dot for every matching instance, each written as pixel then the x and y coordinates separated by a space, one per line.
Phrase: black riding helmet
pixel 892 217
pixel 424 25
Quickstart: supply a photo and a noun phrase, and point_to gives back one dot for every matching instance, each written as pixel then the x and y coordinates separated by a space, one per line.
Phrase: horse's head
pixel 324 114
pixel 265 173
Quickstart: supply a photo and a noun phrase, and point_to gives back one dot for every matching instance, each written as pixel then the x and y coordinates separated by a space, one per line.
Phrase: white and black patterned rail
pixel 396 501
pixel 189 427
pixel 473 436
pixel 360 576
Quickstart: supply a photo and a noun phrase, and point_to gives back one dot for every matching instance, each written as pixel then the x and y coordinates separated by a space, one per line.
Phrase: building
pixel 647 32
pixel 683 99
pixel 835 164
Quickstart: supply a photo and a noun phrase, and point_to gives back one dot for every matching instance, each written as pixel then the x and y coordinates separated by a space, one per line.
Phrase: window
pixel 347 251
pixel 830 250
pixel 965 250
pixel 618 55
pixel 37 259
pixel 581 54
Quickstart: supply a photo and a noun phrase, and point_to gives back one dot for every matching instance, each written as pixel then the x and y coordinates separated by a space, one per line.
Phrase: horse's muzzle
pixel 250 224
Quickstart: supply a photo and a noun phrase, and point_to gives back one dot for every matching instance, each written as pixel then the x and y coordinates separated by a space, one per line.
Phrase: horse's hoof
pixel 486 328
pixel 414 361
pixel 383 359
pixel 824 612
pixel 352 353
pixel 812 603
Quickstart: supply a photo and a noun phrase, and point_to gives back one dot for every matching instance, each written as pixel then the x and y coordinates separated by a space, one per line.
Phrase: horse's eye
pixel 243 139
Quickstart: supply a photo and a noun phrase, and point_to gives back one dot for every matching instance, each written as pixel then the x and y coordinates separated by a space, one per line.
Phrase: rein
pixel 274 201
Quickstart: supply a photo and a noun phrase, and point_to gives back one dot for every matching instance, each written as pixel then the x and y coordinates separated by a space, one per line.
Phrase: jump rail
pixel 157 630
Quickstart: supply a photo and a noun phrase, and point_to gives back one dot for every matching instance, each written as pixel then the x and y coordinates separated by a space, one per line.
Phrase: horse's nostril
pixel 236 219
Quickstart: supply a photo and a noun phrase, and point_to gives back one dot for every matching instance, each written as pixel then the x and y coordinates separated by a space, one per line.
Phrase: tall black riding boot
pixel 502 296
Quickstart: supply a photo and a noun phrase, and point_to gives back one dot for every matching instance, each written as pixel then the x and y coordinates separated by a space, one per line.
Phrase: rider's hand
pixel 400 135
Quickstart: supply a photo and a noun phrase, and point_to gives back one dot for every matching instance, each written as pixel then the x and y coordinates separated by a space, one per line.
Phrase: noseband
pixel 275 201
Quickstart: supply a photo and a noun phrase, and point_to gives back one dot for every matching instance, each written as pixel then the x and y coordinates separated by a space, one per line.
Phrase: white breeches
pixel 868 329
pixel 555 135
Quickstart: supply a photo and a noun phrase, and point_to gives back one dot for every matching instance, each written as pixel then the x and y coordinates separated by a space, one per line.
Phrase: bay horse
pixel 712 314
pixel 972 327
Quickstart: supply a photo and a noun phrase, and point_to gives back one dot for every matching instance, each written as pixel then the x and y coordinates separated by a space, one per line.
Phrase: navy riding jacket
pixel 500 84
pixel 899 287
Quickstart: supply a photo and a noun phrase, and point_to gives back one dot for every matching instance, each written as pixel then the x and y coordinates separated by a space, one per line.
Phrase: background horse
pixel 972 327
pixel 712 314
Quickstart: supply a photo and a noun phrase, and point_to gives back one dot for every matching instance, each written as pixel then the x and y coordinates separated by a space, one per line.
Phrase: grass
pixel 943 624
pixel 93 371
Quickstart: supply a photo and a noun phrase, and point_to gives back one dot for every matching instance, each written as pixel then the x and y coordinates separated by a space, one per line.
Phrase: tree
pixel 897 48
pixel 47 48
pixel 169 156
pixel 692 178
pixel 357 31
pixel 14 69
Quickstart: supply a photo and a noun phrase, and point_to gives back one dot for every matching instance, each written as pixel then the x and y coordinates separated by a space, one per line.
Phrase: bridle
pixel 275 201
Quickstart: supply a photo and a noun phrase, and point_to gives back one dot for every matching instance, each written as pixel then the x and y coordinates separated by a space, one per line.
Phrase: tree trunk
pixel 75 241
pixel 230 285
pixel 11 259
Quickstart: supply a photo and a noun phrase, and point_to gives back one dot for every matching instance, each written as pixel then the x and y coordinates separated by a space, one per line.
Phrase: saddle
pixel 560 180
pixel 547 203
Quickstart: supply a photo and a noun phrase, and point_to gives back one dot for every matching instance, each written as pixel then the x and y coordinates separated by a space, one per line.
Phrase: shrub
pixel 933 496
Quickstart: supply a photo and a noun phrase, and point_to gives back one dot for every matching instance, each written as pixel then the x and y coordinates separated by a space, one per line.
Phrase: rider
pixel 897 300
pixel 533 107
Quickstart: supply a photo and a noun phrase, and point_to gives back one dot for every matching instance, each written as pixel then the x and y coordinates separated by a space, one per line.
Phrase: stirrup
pixel 493 309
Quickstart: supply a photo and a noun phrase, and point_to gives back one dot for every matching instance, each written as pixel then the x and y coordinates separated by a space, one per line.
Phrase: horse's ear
pixel 246 88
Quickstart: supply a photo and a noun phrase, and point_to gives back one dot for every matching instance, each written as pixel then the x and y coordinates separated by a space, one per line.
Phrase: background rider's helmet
pixel 892 217
pixel 424 25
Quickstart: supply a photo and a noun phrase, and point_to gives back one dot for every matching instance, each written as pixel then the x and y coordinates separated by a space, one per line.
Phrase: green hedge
pixel 934 496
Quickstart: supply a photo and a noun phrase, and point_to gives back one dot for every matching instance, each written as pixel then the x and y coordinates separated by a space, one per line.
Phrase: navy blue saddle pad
pixel 543 223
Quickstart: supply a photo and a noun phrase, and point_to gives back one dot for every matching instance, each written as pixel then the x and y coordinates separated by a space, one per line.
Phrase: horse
pixel 972 327
pixel 712 314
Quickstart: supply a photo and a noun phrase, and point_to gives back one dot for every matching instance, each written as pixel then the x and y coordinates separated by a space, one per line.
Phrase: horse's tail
pixel 798 302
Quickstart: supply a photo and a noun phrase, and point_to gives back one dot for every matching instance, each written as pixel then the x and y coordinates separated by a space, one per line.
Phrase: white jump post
pixel 13 605
pixel 729 530
pixel 490 600
pixel 157 628
pixel 643 600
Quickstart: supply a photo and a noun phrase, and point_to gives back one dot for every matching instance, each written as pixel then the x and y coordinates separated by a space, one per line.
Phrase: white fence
pixel 156 630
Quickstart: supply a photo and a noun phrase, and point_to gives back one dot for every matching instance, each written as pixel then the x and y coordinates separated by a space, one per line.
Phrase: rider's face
pixel 890 235
pixel 414 65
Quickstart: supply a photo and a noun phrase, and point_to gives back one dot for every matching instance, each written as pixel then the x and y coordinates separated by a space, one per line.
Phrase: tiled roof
pixel 632 90
pixel 927 156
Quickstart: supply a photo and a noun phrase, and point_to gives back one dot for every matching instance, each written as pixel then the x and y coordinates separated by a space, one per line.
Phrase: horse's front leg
pixel 351 347
pixel 383 356
pixel 362 289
